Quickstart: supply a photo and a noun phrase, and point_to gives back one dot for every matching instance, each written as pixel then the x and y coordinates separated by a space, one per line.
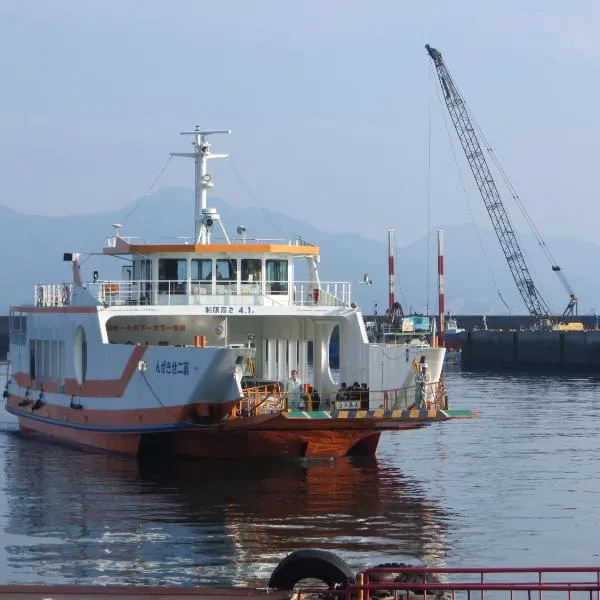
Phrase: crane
pixel 459 113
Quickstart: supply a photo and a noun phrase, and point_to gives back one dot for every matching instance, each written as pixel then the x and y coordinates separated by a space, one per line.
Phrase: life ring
pixel 110 288
pixel 311 564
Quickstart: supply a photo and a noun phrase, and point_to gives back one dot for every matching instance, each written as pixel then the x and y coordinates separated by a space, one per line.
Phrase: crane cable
pixel 466 194
pixel 513 192
pixel 511 189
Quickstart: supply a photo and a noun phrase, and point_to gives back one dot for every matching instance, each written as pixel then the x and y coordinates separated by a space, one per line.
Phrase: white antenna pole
pixel 203 181
pixel 391 255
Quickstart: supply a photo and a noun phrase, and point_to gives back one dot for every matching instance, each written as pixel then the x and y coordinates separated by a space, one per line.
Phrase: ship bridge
pixel 242 272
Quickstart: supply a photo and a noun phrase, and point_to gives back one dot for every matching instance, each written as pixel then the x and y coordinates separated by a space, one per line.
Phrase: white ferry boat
pixel 190 351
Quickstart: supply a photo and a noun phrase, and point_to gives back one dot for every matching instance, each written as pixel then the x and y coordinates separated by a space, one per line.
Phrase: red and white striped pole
pixel 391 254
pixel 441 290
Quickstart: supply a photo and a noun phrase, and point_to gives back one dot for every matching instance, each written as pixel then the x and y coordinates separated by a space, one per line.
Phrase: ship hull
pixel 262 437
pixel 118 443
pixel 212 444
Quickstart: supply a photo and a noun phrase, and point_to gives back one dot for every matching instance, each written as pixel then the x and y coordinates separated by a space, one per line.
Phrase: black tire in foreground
pixel 311 564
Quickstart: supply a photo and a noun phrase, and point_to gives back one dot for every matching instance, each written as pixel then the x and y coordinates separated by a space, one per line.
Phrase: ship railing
pixel 219 292
pixel 433 396
pixel 327 293
pixel 260 400
pixel 272 399
pixel 111 241
pixel 52 294
pixel 404 582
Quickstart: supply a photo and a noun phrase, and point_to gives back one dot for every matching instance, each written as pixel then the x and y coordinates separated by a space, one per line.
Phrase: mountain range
pixel 477 277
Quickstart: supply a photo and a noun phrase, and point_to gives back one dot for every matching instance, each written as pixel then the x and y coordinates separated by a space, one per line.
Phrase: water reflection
pixel 83 518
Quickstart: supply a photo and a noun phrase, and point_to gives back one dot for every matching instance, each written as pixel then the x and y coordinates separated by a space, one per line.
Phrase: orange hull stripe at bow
pixel 93 388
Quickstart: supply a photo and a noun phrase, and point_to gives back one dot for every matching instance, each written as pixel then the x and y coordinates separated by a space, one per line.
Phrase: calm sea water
pixel 521 485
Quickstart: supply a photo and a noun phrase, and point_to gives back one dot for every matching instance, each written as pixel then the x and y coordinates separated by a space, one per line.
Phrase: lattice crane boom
pixel 459 113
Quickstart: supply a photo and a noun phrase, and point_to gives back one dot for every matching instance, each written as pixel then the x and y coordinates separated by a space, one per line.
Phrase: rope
pixel 537 235
pixel 149 190
pixel 168 409
pixel 241 181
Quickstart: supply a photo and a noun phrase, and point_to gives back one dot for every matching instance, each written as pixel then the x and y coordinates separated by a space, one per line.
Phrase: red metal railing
pixel 473 583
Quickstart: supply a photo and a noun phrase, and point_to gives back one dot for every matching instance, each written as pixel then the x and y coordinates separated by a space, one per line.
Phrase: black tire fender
pixel 314 564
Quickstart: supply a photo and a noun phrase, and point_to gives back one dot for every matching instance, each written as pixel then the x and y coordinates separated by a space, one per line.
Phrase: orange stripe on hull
pixel 94 388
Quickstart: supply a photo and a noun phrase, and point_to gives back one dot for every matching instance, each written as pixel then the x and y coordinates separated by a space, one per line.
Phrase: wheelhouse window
pixel 251 270
pixel 226 269
pixel 201 275
pixel 277 276
pixel 201 269
pixel 251 276
pixel 172 275
pixel 142 270
pixel 142 274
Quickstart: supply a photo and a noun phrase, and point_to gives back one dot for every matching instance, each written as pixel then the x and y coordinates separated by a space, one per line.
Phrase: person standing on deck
pixel 422 385
pixel 294 389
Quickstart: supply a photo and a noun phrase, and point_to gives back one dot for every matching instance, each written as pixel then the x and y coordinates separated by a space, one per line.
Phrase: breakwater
pixel 543 351
pixel 510 344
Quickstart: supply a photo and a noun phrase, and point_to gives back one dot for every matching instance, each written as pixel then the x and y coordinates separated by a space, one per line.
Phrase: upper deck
pixel 214 295
pixel 117 245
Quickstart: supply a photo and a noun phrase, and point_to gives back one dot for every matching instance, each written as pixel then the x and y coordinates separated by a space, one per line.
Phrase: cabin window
pixel 227 270
pixel 201 276
pixel 277 276
pixel 172 275
pixel 251 275
pixel 47 361
pixel 142 270
pixel 201 269
pixel 142 274
pixel 251 270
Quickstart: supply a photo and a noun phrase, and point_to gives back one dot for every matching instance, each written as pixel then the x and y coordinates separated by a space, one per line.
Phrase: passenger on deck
pixel 422 387
pixel 293 389
pixel 355 391
pixel 343 392
pixel 364 396
pixel 314 400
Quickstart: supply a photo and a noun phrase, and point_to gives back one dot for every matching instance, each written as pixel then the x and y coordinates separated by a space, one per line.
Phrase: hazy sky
pixel 332 105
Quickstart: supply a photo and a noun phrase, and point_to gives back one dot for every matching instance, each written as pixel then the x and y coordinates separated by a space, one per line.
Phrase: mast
pixel 391 254
pixel 441 286
pixel 204 218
